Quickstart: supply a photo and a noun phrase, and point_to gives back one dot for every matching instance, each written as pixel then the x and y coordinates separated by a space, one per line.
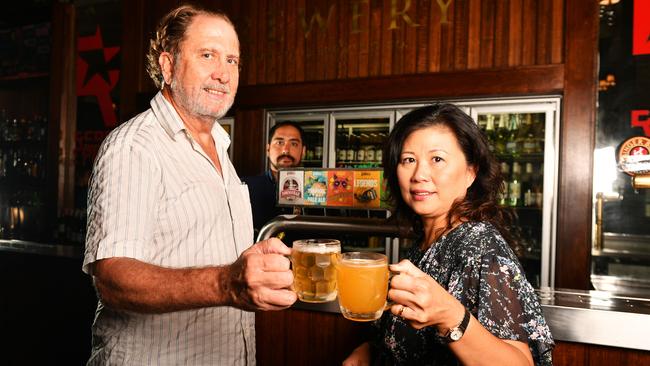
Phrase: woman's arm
pixel 422 302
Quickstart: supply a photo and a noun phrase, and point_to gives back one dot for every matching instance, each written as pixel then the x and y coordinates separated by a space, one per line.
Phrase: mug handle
pixel 389 302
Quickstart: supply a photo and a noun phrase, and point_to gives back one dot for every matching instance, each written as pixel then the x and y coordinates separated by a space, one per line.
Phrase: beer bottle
pixel 503 193
pixel 501 135
pixel 514 186
pixel 527 185
pixel 539 131
pixel 490 134
pixel 351 151
pixel 513 131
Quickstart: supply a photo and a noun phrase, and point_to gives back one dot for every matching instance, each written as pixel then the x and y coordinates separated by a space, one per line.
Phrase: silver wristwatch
pixel 457 332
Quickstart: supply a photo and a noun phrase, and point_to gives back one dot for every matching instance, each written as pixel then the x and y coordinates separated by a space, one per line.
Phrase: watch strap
pixel 455 333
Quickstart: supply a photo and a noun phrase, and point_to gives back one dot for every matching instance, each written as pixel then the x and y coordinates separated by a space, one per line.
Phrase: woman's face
pixel 432 172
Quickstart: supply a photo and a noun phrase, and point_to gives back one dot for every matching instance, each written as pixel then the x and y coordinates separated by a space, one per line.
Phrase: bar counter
pixel 590 317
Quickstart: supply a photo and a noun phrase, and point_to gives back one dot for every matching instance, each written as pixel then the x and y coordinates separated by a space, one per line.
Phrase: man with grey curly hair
pixel 170 238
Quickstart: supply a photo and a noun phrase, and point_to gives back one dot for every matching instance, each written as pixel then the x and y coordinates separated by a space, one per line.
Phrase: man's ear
pixel 166 62
pixel 304 152
pixel 268 150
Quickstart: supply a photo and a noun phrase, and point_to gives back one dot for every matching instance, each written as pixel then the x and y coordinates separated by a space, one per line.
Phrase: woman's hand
pixel 359 357
pixel 420 300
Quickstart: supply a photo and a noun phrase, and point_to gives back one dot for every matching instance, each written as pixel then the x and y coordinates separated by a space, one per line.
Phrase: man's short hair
pixel 287 123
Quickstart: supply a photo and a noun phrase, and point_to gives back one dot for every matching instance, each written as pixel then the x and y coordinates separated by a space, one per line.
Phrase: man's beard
pixel 192 103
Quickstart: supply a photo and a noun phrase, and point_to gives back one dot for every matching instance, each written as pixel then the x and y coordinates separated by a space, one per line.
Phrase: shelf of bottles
pixel 23 141
pixel 517 140
pixel 359 142
pixel 313 133
pixel 25 51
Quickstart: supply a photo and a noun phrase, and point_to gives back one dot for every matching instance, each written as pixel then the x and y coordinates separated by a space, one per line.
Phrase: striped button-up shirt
pixel 156 197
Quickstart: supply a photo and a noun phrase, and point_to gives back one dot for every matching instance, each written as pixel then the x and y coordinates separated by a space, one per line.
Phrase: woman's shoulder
pixel 479 238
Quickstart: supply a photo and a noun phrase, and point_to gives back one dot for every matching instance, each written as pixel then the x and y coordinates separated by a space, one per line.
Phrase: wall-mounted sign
pixel 634 156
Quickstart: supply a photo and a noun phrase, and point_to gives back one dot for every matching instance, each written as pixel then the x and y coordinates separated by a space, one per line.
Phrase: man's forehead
pixel 211 26
pixel 286 132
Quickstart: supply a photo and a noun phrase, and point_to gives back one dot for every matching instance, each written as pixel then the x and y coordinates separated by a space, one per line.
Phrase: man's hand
pixel 260 279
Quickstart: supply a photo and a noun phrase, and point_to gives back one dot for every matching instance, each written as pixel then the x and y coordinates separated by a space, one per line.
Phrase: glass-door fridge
pixel 523 134
pixel 359 138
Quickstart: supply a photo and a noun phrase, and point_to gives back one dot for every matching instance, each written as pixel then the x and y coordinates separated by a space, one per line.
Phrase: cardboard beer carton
pixel 315 188
pixel 340 188
pixel 290 187
pixel 367 188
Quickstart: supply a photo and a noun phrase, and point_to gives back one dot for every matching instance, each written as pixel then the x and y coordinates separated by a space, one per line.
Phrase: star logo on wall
pixel 98 73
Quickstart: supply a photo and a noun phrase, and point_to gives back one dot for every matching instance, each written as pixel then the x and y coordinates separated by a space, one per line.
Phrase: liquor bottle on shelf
pixel 512 144
pixel 529 144
pixel 538 187
pixel 341 147
pixel 351 151
pixel 501 135
pixel 3 164
pixel 490 133
pixel 362 143
pixel 527 185
pixel 514 186
pixel 539 131
pixel 370 153
pixel 318 152
pixel 505 173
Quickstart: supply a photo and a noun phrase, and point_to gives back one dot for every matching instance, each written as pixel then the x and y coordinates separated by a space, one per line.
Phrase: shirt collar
pixel 172 123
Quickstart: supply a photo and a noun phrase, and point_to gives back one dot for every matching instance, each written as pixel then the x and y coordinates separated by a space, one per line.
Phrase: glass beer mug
pixel 362 279
pixel 313 262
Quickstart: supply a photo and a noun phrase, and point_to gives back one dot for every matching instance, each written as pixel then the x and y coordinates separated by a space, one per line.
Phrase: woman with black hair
pixel 462 296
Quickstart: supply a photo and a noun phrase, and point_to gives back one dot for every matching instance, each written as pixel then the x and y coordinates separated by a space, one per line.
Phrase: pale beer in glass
pixel 314 273
pixel 363 285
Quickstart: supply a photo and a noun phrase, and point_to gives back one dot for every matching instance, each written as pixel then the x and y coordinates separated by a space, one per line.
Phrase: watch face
pixel 455 334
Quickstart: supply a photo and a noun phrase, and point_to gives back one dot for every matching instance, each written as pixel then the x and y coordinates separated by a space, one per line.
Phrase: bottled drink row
pixel 361 147
pixel 25 49
pixel 19 129
pixel 22 162
pixel 21 214
pixel 524 188
pixel 514 133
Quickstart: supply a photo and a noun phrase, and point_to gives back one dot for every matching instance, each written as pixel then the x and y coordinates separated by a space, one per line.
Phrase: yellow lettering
pixel 356 14
pixel 316 18
pixel 444 7
pixel 394 13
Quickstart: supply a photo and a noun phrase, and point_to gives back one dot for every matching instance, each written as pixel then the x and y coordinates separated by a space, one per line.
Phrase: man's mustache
pixel 286 156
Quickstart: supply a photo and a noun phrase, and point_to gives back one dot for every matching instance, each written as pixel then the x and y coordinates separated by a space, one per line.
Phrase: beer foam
pixel 363 262
pixel 319 249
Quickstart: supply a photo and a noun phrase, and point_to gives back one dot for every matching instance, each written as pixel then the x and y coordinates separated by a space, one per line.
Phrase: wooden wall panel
pixel 249 153
pixel 573 249
pixel 351 39
pixel 299 337
pixel 570 354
